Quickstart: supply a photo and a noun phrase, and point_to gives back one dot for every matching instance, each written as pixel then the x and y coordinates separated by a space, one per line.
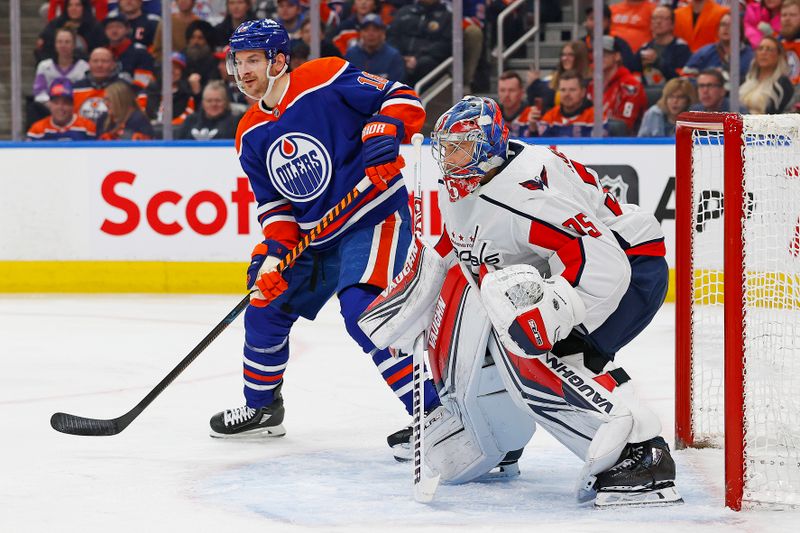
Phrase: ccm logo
pixel 241 198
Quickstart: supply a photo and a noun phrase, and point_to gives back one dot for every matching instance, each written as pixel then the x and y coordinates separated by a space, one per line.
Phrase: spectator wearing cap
pixel 630 20
pixel 201 65
pixel 762 18
pixel 214 120
pixel 659 121
pixel 711 96
pixel 372 54
pixel 180 21
pixel 662 58
pixel 124 120
pixel 142 25
pixel 64 65
pixel 236 12
pixel 131 56
pixel 183 102
pixel 574 115
pixel 347 34
pixel 790 37
pixel 518 115
pixel 697 22
pixel 326 47
pixel 62 124
pixel 422 32
pixel 89 91
pixel 717 55
pixel 78 17
pixel 623 94
pixel 626 54
pixel 290 15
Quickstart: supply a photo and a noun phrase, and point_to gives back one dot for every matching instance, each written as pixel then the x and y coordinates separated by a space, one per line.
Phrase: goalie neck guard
pixel 469 139
pixel 266 35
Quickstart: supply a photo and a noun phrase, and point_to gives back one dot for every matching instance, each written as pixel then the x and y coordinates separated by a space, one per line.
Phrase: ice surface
pixel 98 356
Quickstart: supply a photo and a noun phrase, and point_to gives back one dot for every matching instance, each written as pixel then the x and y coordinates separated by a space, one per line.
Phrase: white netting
pixel 771 343
pixel 771 182
pixel 708 414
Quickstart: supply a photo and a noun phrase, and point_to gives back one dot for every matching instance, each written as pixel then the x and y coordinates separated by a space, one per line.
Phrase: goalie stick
pixel 425 482
pixel 78 425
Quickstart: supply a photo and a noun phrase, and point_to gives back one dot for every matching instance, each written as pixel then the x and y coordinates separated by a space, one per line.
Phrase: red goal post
pixel 737 279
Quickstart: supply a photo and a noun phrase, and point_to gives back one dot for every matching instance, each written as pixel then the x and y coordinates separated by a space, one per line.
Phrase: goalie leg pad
pixel 405 309
pixel 483 423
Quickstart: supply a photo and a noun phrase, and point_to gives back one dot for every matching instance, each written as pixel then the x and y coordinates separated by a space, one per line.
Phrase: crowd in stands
pixel 659 58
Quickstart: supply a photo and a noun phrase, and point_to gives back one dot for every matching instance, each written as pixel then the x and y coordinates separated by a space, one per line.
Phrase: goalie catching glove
pixel 530 313
pixel 381 138
pixel 263 274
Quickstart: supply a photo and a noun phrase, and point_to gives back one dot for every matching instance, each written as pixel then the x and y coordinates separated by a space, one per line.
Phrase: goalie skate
pixel 644 475
pixel 400 443
pixel 249 422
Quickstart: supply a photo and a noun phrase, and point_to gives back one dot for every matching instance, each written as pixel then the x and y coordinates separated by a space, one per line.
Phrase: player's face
pixel 60 110
pixel 457 154
pixel 251 66
pixel 790 21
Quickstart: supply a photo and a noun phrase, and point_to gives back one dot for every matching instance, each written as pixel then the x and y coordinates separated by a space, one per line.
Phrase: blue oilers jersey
pixel 304 156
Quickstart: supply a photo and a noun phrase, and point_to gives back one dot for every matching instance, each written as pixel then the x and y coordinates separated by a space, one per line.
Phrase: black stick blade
pixel 78 425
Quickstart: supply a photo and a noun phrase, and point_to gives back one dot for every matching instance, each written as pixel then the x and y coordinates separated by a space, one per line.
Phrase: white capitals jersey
pixel 547 211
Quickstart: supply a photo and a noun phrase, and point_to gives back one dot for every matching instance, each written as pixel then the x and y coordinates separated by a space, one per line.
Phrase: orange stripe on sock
pixel 258 377
pixel 400 374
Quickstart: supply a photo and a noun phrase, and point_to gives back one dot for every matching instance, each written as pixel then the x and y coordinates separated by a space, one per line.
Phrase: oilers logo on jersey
pixel 299 166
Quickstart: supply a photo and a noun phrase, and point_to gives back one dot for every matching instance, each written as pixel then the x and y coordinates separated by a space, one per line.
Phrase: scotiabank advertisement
pixel 193 203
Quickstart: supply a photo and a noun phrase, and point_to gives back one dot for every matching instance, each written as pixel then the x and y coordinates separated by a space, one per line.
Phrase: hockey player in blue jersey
pixel 313 134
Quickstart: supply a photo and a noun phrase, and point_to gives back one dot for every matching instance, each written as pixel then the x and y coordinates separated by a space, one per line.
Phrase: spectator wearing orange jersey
pixel 62 124
pixel 623 93
pixel 574 116
pixel 697 22
pixel 520 117
pixel 790 37
pixel 630 19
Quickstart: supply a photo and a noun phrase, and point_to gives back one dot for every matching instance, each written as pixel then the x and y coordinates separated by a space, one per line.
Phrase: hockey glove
pixel 262 273
pixel 381 138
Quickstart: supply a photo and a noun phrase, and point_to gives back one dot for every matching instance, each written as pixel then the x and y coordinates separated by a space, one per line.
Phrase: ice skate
pixel 246 421
pixel 644 475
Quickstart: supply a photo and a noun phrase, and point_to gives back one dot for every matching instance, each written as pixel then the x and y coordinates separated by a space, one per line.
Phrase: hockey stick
pixel 425 482
pixel 78 425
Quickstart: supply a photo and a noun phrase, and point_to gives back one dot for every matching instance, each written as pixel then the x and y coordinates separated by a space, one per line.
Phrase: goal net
pixel 738 299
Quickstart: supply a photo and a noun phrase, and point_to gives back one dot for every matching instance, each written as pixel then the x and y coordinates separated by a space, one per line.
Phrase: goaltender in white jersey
pixel 539 279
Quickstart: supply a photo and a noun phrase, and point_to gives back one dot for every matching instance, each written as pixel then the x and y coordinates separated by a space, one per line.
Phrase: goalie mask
pixel 266 35
pixel 469 139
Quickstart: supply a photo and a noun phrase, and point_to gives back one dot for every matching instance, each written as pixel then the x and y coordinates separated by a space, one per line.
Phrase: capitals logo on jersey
pixel 299 166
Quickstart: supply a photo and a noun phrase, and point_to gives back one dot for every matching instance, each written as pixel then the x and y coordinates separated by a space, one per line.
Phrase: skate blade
pixel 402 453
pixel 257 433
pixel 500 473
pixel 657 497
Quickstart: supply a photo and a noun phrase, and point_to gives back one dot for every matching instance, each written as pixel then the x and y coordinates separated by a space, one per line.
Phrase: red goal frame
pixel 730 124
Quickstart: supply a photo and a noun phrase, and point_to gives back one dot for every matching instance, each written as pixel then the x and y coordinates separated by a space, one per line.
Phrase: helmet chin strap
pixel 270 81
